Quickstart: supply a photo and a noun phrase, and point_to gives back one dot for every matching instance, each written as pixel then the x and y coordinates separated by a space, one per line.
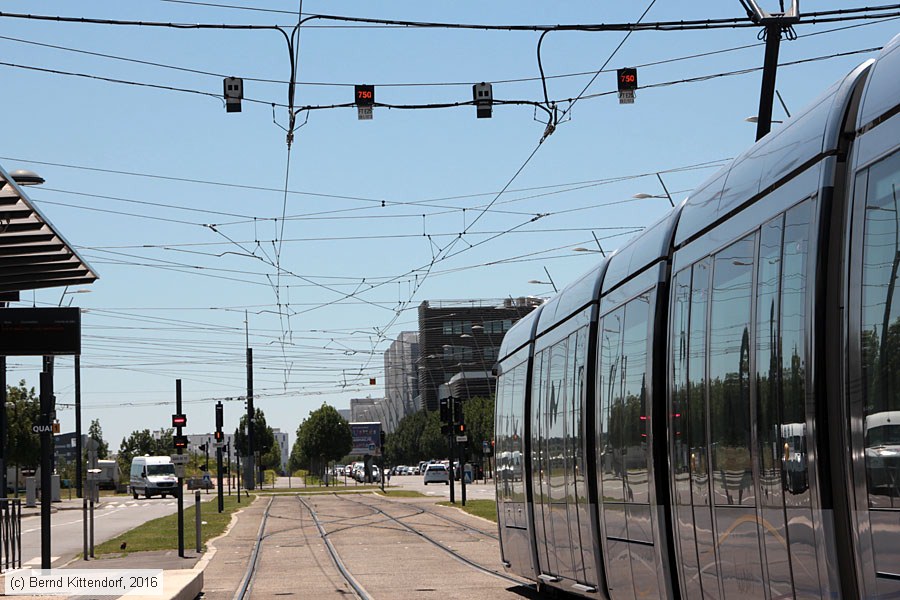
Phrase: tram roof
pixel 882 86
pixel 803 140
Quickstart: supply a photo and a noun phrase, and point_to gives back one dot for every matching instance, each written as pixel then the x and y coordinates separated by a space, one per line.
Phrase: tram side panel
pixel 870 410
pixel 517 547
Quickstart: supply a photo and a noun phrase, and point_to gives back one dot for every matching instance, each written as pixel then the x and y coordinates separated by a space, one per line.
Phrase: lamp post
pixel 641 196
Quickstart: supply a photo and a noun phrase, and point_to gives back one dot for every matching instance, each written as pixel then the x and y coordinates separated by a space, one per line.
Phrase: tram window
pixel 610 392
pixel 678 411
pixel 514 432
pixel 880 337
pixel 729 377
pixel 768 336
pixel 793 354
pixel 634 401
pixel 699 459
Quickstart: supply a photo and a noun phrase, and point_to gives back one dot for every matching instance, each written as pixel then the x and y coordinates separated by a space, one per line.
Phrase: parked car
pixel 436 473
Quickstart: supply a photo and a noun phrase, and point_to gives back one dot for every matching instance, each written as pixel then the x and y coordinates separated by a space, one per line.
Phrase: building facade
pixel 401 379
pixel 463 336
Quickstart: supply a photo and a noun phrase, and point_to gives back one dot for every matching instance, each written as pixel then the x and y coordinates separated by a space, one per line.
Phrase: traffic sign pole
pixel 219 437
pixel 46 434
pixel 181 477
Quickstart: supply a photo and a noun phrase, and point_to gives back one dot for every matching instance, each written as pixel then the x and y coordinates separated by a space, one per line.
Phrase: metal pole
pixel 46 433
pixel 78 457
pixel 462 471
pixel 180 479
pixel 197 516
pixel 237 455
pixel 452 485
pixel 228 453
pixel 92 519
pixel 84 520
pixel 767 91
pixel 219 477
pixel 250 418
pixel 206 466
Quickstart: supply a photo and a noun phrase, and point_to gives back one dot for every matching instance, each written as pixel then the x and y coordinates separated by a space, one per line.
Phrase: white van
pixel 153 475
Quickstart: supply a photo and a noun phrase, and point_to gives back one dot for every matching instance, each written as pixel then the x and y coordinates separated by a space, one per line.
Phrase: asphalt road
pixel 114 516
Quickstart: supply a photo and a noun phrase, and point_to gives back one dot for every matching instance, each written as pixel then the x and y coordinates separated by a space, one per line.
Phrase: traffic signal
pixel 202 447
pixel 383 437
pixel 220 436
pixel 219 417
pixel 458 410
pixel 460 429
pixel 445 410
pixel 180 441
pixel 179 420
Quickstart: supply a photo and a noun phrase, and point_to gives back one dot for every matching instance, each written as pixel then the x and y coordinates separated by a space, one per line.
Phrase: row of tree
pixel 24 446
pixel 321 438
pixel 325 437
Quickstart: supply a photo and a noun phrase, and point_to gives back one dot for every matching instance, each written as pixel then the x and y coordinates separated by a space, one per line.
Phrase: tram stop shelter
pixel 33 253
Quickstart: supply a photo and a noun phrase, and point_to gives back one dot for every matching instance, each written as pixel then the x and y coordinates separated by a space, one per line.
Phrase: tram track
pixel 324 545
pixel 447 549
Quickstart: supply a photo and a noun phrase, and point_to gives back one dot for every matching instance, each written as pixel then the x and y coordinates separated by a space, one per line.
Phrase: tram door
pixel 740 419
pixel 561 510
pixel 874 372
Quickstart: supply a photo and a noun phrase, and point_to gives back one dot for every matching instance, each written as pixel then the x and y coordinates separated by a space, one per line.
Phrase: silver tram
pixel 714 411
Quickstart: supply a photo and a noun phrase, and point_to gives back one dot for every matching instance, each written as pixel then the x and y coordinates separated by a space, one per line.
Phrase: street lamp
pixel 642 195
pixel 545 282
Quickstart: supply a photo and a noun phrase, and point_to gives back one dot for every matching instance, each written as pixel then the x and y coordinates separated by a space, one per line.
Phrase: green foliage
pixel 479 415
pixel 143 442
pixel 263 438
pixel 95 432
pixel 271 460
pixel 418 436
pixel 324 436
pixel 23 446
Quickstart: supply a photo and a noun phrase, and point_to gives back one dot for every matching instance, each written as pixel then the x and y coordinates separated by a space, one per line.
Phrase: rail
pixel 10 534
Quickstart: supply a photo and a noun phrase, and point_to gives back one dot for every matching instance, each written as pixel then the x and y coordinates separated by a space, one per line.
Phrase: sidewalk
pixel 183 578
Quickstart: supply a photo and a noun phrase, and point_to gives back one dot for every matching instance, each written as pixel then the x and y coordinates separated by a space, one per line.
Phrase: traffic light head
pixel 460 429
pixel 219 415
pixel 220 436
pixel 180 441
pixel 445 410
pixel 179 420
pixel 383 437
pixel 202 447
pixel 457 410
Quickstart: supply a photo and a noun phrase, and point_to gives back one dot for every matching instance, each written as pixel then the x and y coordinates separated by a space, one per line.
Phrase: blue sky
pixel 178 204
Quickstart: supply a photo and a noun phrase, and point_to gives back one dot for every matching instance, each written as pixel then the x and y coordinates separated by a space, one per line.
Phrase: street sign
pixel 180 470
pixel 180 459
pixel 364 113
pixel 462 438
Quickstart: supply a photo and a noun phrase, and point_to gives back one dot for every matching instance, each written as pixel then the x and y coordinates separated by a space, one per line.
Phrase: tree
pixel 96 433
pixel 263 437
pixel 479 416
pixel 23 445
pixel 144 442
pixel 272 458
pixel 323 436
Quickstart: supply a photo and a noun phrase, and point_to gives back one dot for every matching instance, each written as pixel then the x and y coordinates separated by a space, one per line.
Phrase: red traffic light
pixel 180 441
pixel 179 420
pixel 220 436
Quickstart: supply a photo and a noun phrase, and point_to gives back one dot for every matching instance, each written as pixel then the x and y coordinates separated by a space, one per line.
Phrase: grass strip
pixel 400 493
pixel 162 533
pixel 486 509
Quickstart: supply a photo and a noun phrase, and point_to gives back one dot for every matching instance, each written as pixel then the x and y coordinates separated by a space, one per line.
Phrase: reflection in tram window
pixel 883 453
pixel 729 377
pixel 881 332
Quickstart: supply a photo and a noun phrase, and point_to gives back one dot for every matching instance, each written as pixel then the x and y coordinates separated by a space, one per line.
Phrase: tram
pixel 713 411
